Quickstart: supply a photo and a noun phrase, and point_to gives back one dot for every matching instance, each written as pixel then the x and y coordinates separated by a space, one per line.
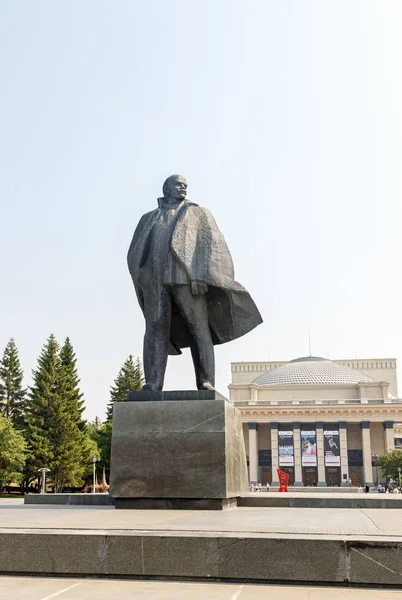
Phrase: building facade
pixel 323 422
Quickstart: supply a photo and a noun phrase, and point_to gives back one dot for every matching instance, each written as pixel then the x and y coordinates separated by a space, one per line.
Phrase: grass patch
pixel 11 496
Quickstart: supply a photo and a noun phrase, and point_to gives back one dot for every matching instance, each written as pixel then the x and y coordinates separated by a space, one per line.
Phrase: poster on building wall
pixel 332 448
pixel 285 445
pixel 309 448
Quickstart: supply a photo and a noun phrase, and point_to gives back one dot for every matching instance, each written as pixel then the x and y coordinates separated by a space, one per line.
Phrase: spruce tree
pixel 69 384
pixel 12 394
pixel 74 404
pixel 57 439
pixel 129 379
pixel 41 406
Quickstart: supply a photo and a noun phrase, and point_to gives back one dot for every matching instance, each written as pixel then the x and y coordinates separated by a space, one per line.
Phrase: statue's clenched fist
pixel 198 288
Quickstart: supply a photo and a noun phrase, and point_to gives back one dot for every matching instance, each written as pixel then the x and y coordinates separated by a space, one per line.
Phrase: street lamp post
pixel 43 472
pixel 399 474
pixel 94 475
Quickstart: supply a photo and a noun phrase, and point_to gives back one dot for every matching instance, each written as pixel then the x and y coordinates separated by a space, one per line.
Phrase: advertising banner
pixel 285 445
pixel 332 448
pixel 309 448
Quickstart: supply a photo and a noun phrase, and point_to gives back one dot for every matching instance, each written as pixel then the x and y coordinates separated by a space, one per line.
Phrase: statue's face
pixel 177 187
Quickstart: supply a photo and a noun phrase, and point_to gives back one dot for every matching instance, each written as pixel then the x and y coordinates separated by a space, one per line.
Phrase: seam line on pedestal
pixel 207 421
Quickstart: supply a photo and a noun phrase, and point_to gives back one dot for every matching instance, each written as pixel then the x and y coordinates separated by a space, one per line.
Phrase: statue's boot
pixel 151 387
pixel 207 386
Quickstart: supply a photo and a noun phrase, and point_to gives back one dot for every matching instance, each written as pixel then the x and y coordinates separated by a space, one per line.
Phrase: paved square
pixel 38 588
pixel 286 521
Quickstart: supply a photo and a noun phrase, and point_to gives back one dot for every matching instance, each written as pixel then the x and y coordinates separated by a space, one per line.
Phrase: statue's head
pixel 175 187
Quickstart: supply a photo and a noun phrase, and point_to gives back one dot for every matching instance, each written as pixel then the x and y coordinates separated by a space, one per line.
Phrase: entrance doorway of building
pixel 266 475
pixel 310 476
pixel 355 475
pixel 333 476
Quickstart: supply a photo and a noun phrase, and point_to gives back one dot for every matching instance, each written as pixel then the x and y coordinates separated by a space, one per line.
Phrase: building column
pixel 367 458
pixel 389 436
pixel 274 454
pixel 320 454
pixel 343 441
pixel 253 451
pixel 297 454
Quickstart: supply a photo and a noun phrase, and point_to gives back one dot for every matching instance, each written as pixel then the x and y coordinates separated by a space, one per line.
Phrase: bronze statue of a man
pixel 184 278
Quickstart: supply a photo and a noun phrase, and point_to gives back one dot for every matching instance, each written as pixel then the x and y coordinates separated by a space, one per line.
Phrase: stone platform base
pixel 348 547
pixel 175 396
pixel 177 503
pixel 70 499
pixel 254 500
pixel 318 490
pixel 245 557
pixel 323 500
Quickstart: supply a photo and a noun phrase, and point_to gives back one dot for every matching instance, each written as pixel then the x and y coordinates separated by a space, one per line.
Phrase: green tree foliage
pixel 56 432
pixel 129 379
pixel 389 463
pixel 12 394
pixel 12 452
pixel 101 433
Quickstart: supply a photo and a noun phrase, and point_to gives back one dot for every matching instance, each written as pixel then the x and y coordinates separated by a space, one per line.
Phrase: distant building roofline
pixel 274 362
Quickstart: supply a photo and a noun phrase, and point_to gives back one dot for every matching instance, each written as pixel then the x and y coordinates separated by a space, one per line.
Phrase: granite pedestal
pixel 177 454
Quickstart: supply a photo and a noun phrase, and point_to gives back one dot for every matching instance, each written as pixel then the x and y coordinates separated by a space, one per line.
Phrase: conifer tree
pixel 129 379
pixel 69 384
pixel 41 408
pixel 12 394
pixel 57 439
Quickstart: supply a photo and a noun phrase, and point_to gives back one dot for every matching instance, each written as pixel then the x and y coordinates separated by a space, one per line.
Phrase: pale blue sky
pixel 285 117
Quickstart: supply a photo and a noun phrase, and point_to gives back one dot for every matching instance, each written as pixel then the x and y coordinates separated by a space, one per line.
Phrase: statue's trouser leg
pixel 194 311
pixel 157 314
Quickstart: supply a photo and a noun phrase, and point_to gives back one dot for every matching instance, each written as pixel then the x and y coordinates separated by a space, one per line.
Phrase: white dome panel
pixel 311 371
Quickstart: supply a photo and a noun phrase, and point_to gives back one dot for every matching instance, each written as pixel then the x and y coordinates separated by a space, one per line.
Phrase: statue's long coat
pixel 200 248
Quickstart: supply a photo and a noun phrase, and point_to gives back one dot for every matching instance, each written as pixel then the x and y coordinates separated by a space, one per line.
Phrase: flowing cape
pixel 200 248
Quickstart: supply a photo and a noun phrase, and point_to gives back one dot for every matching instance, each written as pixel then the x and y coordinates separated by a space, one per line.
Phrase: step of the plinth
pixel 256 499
pixel 290 500
pixel 203 555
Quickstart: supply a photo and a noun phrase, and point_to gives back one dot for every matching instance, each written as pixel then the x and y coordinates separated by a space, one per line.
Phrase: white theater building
pixel 323 422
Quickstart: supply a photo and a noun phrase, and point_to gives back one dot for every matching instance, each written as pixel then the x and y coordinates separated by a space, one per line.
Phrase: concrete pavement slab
pixel 31 588
pixel 377 594
pixel 268 592
pixel 37 588
pixel 264 520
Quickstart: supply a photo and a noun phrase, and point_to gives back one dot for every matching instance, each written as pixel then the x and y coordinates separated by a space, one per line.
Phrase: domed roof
pixel 311 370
